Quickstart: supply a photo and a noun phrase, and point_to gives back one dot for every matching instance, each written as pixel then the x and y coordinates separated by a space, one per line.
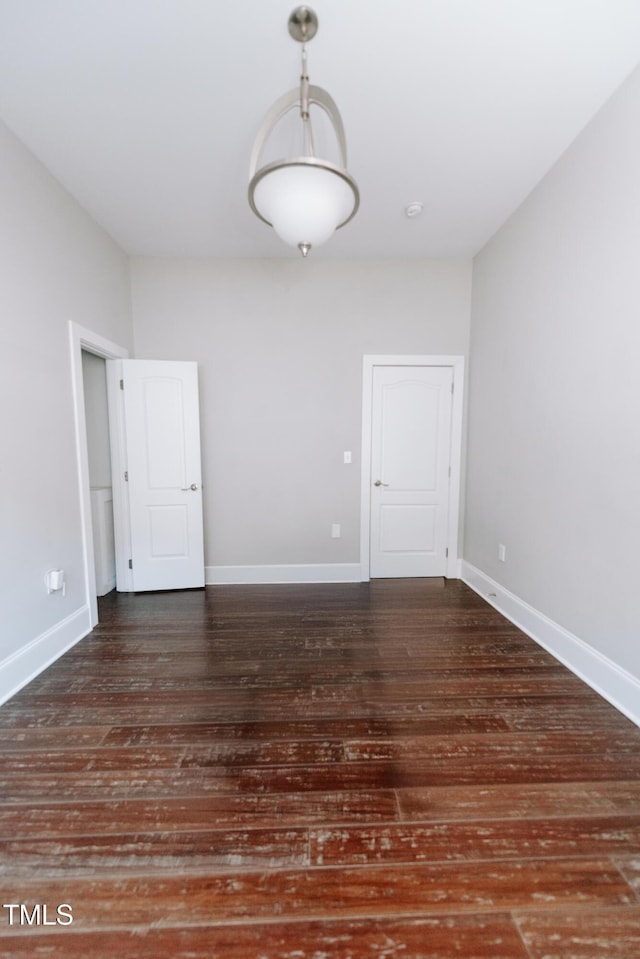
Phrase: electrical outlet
pixel 502 553
pixel 335 531
pixel 55 581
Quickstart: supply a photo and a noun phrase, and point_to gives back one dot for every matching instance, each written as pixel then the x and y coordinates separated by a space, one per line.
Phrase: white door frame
pixel 81 339
pixel 456 363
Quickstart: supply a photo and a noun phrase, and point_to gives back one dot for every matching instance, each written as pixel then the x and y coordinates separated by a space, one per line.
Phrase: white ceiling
pixel 146 110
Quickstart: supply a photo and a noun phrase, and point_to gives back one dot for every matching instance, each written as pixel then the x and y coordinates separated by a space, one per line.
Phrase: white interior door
pixel 410 468
pixel 163 470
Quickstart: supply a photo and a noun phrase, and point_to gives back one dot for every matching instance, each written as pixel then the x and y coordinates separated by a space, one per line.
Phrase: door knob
pixel 185 489
pixel 380 483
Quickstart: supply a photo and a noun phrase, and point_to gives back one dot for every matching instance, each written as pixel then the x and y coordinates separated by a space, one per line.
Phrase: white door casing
pixel 162 464
pixel 411 444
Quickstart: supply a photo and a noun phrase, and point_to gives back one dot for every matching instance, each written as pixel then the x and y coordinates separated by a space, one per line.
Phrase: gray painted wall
pixel 279 345
pixel 57 265
pixel 554 399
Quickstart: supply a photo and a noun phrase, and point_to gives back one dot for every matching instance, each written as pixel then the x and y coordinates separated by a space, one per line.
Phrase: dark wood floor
pixel 322 772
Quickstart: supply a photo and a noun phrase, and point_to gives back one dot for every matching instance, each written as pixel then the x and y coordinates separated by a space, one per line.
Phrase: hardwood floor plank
pixel 167 678
pixel 187 850
pixel 469 937
pixel 157 852
pixel 158 783
pixel 498 839
pixel 120 784
pixel 419 644
pixel 487 746
pixel 359 728
pixel 15 739
pixel 70 760
pixel 73 818
pixel 243 707
pixel 273 754
pixel 520 800
pixel 411 749
pixel 380 688
pixel 442 772
pixel 328 893
pixel 612 933
pixel 569 718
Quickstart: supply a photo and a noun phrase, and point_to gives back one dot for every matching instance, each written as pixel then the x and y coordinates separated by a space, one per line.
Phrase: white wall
pixel 279 345
pixel 57 266
pixel 554 401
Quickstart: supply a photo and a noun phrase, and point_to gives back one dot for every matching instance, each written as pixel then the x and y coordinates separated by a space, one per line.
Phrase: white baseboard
pixel 300 573
pixel 615 684
pixel 26 663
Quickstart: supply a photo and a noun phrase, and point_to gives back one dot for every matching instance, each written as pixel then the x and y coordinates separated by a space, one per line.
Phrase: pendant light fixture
pixel 304 198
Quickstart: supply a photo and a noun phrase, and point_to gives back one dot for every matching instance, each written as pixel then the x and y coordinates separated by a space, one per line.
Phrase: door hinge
pixel 446 552
pixel 126 476
pixel 130 564
pixel 451 386
pixel 449 472
pixel 121 384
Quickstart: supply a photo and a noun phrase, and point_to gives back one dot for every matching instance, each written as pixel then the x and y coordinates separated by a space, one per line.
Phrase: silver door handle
pixel 185 489
pixel 380 483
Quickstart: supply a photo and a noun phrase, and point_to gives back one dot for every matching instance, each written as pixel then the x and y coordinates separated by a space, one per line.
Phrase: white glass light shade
pixel 305 201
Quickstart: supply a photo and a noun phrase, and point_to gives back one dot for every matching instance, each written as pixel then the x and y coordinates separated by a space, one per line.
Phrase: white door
pixel 410 460
pixel 164 484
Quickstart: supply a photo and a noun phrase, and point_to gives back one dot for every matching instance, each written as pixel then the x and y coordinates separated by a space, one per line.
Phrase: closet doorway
pixel 96 408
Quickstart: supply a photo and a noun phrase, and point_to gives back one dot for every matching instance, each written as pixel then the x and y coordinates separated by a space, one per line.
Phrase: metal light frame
pixel 303 24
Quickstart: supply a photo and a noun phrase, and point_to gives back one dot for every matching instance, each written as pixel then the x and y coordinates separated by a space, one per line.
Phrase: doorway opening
pixel 96 407
pixel 86 341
